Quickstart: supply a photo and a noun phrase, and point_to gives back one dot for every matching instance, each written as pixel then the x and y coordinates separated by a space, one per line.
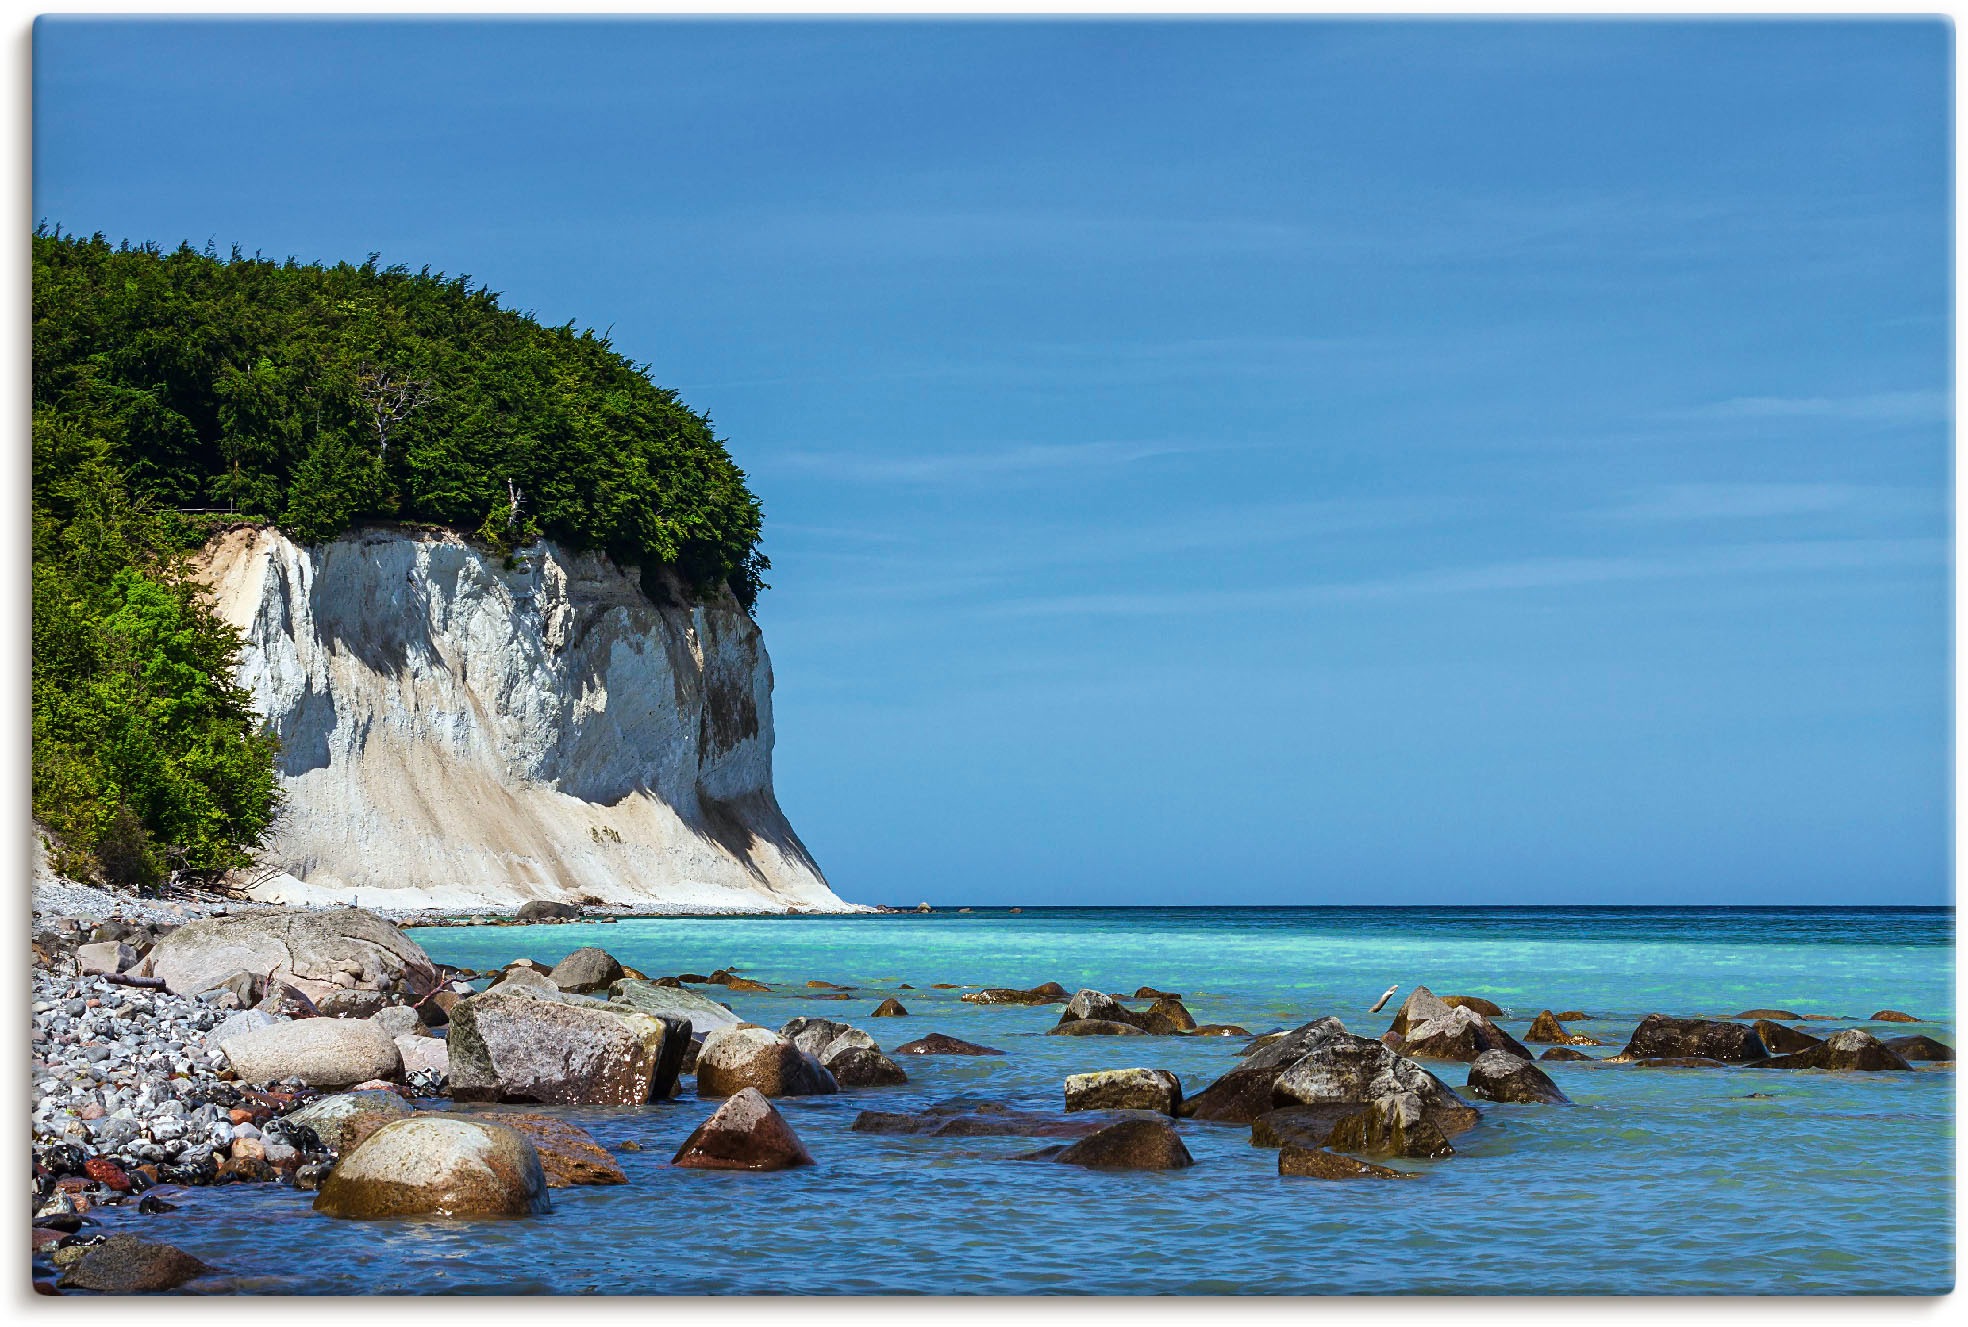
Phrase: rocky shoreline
pixel 195 1043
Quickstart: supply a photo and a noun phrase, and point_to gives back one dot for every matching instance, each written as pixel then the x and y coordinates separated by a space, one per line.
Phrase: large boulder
pixel 1487 1008
pixel 1421 1006
pixel 1339 1068
pixel 1782 1040
pixel 745 1133
pixel 1303 1126
pixel 853 1057
pixel 936 1043
pixel 1244 1093
pixel 1129 1145
pixel 814 1035
pixel 586 969
pixel 1049 993
pixel 1461 1034
pixel 330 1117
pixel 1096 1027
pixel 1662 1038
pixel 890 1008
pixel 1125 1089
pixel 1852 1049
pixel 1396 1125
pixel 321 1052
pixel 1501 1076
pixel 316 952
pixel 567 1051
pixel 540 910
pixel 704 1014
pixel 1892 1016
pixel 1168 1016
pixel 437 1165
pixel 733 1059
pixel 105 956
pixel 127 1265
pixel 568 1154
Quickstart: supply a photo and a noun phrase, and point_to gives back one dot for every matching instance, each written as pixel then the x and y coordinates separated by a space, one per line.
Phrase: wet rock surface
pixel 1048 993
pixel 1129 1145
pixel 1319 1164
pixel 745 1133
pixel 936 1043
pixel 1461 1034
pixel 1782 1040
pixel 1125 1089
pixel 1501 1076
pixel 733 1059
pixel 976 1117
pixel 1547 1030
pixel 1660 1037
pixel 128 1265
pixel 568 1154
pixel 437 1165
pixel 1854 1049
pixel 1920 1048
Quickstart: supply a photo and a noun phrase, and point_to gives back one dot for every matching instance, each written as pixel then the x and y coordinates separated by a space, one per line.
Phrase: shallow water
pixel 1656 1181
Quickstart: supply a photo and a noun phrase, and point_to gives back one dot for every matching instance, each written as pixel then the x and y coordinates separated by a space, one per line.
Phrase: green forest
pixel 177 390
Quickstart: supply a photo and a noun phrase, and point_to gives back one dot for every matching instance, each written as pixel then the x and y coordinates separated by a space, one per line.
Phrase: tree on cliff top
pixel 317 397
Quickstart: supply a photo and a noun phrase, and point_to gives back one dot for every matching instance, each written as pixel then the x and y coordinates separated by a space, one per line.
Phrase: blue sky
pixel 1241 463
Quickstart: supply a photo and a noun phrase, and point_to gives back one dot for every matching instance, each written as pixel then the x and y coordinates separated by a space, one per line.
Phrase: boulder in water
pixel 1095 1027
pixel 1301 1126
pixel 1168 1016
pixel 1782 1040
pixel 1892 1016
pixel 1546 1030
pixel 704 1014
pixel 568 1154
pixel 1094 1006
pixel 1660 1037
pixel 127 1265
pixel 1784 1014
pixel 330 1116
pixel 1487 1008
pixel 1501 1076
pixel 437 1165
pixel 1461 1034
pixel 1920 1048
pixel 1395 1124
pixel 890 1008
pixel 1130 1145
pixel 1421 1006
pixel 1852 1049
pixel 1564 1054
pixel 586 969
pixel 567 1051
pixel 747 1056
pixel 976 1117
pixel 1124 1089
pixel 936 1043
pixel 541 910
pixel 745 1133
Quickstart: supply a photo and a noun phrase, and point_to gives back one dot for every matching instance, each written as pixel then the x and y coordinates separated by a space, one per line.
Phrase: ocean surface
pixel 1654 1182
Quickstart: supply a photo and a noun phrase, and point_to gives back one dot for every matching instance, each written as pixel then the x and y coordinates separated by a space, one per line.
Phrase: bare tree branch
pixel 391 398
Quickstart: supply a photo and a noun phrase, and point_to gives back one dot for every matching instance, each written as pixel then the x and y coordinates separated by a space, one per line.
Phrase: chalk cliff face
pixel 456 734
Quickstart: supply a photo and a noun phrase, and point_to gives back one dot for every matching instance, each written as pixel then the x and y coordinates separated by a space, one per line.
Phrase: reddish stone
pixel 108 1173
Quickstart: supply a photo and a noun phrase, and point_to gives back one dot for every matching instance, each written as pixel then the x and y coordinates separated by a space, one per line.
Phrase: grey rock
pixel 1157 1090
pixel 566 1050
pixel 320 1052
pixel 317 951
pixel 1501 1076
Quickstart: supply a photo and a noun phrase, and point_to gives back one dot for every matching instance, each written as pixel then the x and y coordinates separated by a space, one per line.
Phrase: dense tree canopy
pixel 316 398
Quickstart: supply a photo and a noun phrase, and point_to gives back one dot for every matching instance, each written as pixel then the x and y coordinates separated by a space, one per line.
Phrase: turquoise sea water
pixel 1655 1181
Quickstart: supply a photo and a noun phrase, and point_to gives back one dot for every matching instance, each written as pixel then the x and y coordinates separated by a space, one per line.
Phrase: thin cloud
pixel 1672 503
pixel 1503 577
pixel 968 467
pixel 1918 407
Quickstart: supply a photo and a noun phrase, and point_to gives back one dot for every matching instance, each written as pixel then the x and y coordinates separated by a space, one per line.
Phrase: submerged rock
pixel 745 1133
pixel 1852 1049
pixel 1095 1027
pixel 1564 1054
pixel 862 1066
pixel 513 1047
pixel 1168 1016
pixel 1892 1016
pixel 1125 1089
pixel 1784 1014
pixel 1319 1164
pixel 937 1043
pixel 1501 1076
pixel 437 1165
pixel 1049 993
pixel 1660 1037
pixel 127 1265
pixel 974 1117
pixel 568 1154
pixel 1129 1145
pixel 733 1059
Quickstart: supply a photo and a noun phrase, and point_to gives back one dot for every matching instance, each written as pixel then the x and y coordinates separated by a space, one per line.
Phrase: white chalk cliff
pixel 455 734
